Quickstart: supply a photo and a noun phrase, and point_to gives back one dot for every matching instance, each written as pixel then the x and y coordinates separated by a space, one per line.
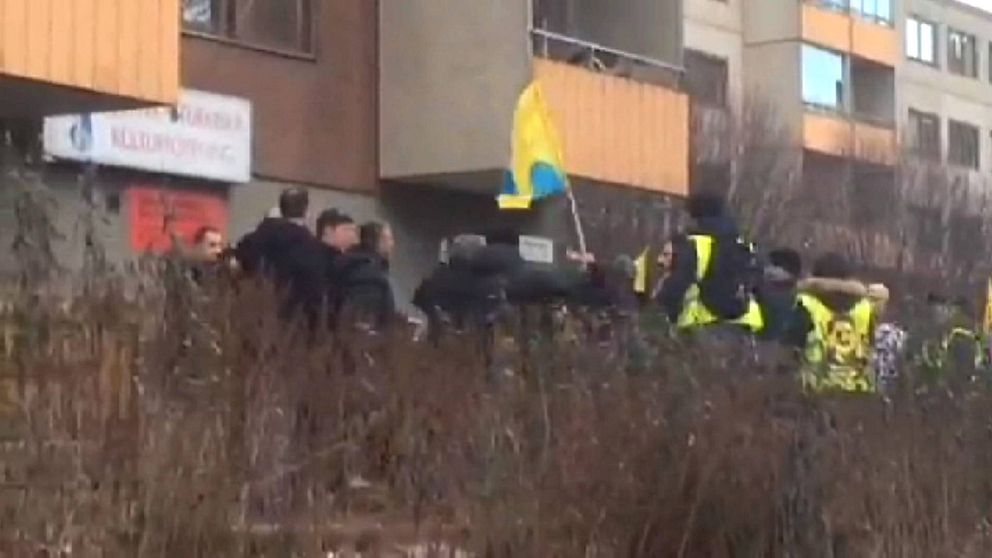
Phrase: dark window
pixel 963 145
pixel 277 24
pixel 962 53
pixel 924 134
pixel 921 40
pixel 706 78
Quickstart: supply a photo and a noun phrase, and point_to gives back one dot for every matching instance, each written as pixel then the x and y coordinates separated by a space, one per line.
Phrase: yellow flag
pixel 641 273
pixel 536 169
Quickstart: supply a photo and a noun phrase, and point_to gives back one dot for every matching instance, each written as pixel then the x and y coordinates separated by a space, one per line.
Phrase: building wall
pixel 87 54
pixel 934 89
pixel 716 28
pixel 450 73
pixel 314 117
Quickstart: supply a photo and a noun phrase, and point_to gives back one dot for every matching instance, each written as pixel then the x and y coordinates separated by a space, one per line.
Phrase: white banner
pixel 205 136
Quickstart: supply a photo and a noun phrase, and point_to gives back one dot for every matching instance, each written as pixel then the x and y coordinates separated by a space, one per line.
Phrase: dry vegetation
pixel 142 415
pixel 154 418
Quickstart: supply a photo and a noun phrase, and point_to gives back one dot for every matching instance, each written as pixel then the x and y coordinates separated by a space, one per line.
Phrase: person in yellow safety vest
pixel 712 274
pixel 836 322
pixel 954 348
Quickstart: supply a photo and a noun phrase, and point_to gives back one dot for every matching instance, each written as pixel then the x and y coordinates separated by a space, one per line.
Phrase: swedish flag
pixel 536 168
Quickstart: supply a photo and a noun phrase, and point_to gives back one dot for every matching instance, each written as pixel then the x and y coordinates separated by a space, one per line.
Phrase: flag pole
pixel 577 221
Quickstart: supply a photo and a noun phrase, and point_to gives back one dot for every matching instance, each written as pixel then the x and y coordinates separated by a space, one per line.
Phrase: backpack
pixel 727 287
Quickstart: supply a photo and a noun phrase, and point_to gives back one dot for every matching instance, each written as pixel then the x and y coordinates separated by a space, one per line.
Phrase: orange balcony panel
pixel 827 134
pixel 876 144
pixel 617 130
pixel 842 137
pixel 59 56
pixel 826 28
pixel 875 42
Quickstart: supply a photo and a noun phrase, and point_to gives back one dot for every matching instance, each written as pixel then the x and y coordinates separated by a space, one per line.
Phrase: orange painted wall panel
pixel 123 48
pixel 875 42
pixel 827 134
pixel 842 137
pixel 618 130
pixel 875 143
pixel 827 28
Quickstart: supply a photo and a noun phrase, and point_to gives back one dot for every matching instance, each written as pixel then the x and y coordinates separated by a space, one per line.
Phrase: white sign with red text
pixel 204 136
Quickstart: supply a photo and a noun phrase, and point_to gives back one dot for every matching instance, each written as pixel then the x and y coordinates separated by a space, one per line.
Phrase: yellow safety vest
pixel 838 347
pixel 694 312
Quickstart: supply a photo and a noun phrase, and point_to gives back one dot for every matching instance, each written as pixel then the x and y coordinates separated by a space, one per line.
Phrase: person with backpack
pixel 835 329
pixel 714 271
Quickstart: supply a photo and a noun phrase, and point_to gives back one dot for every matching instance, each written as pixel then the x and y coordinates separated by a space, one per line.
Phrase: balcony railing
pixel 603 59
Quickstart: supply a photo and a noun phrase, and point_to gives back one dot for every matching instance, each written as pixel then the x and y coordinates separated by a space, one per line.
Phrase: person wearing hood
pixel 837 323
pixel 284 250
pixel 713 271
pixel 367 291
pixel 465 291
pixel 779 295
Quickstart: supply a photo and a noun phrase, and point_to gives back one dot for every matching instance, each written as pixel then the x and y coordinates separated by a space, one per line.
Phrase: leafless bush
pixel 178 419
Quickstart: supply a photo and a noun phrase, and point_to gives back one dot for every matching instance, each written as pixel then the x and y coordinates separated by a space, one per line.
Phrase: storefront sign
pixel 537 249
pixel 157 213
pixel 205 136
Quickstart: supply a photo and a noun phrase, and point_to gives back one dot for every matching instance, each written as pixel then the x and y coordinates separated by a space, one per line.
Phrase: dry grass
pixel 152 418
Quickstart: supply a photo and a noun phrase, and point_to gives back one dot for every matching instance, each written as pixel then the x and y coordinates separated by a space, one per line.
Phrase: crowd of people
pixel 712 286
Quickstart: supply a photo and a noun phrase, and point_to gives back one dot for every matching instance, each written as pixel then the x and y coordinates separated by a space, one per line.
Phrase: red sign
pixel 151 208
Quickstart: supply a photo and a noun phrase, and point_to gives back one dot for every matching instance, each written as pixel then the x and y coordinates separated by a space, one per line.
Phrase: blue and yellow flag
pixel 536 168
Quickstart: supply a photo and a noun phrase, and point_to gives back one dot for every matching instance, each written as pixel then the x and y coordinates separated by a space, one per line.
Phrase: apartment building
pixel 450 74
pixel 827 67
pixel 76 57
pixel 945 84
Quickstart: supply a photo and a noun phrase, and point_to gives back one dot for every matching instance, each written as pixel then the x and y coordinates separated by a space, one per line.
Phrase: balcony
pixel 825 25
pixel 450 75
pixel 87 55
pixel 840 136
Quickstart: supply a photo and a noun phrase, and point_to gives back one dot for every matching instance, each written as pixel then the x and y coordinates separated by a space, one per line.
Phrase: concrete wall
pixel 934 89
pixel 716 28
pixel 768 21
pixel 783 92
pixel 450 72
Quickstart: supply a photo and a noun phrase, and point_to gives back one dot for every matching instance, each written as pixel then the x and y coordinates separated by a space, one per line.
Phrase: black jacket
pixel 290 255
pixel 365 290
pixel 779 301
pixel 469 289
pixel 683 276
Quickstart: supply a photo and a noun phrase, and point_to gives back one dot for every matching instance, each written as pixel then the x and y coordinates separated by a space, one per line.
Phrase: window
pixel 962 53
pixel 201 15
pixel 879 11
pixel 823 77
pixel 963 145
pixel 921 40
pixel 924 134
pixel 277 24
pixel 706 78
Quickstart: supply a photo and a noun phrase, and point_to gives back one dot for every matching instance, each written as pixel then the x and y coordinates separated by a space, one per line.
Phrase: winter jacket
pixel 288 254
pixel 366 292
pixel 684 272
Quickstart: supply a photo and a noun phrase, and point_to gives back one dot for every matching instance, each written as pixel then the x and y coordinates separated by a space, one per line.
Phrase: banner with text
pixel 204 136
